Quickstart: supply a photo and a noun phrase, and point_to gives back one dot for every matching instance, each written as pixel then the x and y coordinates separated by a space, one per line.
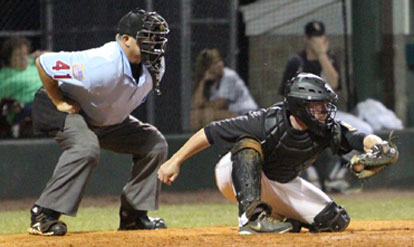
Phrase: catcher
pixel 264 151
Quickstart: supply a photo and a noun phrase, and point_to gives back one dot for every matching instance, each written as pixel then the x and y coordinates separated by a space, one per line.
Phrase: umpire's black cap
pixel 131 23
pixel 314 28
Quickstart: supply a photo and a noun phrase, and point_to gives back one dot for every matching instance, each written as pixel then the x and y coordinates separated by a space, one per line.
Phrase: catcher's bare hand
pixel 169 171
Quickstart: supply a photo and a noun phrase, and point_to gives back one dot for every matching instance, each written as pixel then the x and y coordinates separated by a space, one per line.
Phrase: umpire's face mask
pixel 152 50
pixel 152 39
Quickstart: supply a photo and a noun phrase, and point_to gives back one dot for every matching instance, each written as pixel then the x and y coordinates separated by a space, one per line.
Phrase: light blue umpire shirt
pixel 100 80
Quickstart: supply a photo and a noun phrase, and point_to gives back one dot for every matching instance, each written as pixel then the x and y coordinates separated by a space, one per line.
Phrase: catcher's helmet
pixel 307 88
pixel 150 30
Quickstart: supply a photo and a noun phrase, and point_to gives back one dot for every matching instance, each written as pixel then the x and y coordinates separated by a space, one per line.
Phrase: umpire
pixel 85 103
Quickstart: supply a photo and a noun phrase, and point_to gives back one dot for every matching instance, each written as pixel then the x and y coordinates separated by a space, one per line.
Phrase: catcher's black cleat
pixel 45 222
pixel 138 220
pixel 265 224
pixel 296 225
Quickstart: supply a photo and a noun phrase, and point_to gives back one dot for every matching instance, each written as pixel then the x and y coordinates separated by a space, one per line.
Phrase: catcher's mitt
pixel 368 164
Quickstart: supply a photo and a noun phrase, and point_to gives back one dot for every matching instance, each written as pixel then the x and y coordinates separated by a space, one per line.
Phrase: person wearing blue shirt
pixel 85 103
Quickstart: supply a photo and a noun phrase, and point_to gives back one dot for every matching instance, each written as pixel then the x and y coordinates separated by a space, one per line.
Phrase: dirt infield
pixel 359 233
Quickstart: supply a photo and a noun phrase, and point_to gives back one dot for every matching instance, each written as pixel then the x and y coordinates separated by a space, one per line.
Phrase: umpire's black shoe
pixel 46 222
pixel 138 220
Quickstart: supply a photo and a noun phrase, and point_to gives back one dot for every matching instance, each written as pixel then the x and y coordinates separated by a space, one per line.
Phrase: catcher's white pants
pixel 297 199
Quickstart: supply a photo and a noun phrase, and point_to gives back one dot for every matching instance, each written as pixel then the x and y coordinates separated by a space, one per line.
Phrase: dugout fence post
pixel 49 24
pixel 150 106
pixel 366 47
pixel 186 75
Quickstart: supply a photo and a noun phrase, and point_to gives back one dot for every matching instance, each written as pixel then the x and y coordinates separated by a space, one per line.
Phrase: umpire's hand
pixel 68 107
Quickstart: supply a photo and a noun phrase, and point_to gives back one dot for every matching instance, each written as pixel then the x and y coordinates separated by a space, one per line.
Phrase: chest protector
pixel 288 151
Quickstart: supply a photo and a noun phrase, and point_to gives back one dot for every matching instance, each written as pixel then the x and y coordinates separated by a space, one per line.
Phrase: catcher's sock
pixel 253 210
pixel 256 212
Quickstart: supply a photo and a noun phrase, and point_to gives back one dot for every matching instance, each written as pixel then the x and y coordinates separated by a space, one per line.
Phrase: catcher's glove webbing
pixel 368 164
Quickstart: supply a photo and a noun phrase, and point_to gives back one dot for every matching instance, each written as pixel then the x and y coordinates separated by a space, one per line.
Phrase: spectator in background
pixel 219 92
pixel 18 83
pixel 316 58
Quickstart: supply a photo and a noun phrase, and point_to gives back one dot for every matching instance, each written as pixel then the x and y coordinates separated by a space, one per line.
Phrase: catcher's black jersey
pixel 287 151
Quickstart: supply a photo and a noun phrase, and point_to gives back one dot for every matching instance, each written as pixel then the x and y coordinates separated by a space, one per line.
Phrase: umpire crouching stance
pixel 85 103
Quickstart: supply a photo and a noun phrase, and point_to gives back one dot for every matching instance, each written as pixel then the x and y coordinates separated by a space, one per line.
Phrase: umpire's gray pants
pixel 81 144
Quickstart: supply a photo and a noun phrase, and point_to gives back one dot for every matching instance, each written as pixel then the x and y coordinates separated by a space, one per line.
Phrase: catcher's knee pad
pixel 333 218
pixel 246 173
pixel 248 143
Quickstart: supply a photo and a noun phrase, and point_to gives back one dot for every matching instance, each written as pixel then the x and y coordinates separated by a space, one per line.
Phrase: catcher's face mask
pixel 321 111
pixel 152 39
pixel 312 100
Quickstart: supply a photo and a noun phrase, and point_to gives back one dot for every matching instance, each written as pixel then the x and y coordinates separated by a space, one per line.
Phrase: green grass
pixel 398 208
pixel 106 218
pixel 204 215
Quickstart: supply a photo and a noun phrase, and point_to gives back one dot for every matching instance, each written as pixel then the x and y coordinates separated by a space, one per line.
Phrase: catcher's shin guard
pixel 246 173
pixel 333 218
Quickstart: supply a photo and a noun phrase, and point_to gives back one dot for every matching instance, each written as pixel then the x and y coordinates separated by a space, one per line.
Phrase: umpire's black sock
pixel 37 210
pixel 127 207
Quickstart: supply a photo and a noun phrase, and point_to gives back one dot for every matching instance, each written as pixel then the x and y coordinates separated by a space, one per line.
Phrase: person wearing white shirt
pixel 85 103
pixel 219 91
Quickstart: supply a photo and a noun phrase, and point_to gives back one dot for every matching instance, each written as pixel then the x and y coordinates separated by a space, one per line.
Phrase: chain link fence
pixel 77 25
pixel 276 32
pixel 254 37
